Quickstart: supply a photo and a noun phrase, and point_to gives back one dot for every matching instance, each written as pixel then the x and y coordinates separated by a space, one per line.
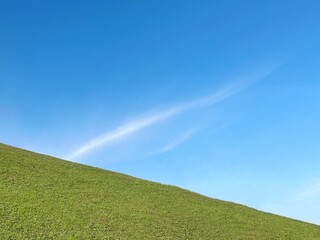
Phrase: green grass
pixel 42 197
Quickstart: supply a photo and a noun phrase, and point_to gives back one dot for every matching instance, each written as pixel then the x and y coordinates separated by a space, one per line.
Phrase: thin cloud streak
pixel 178 141
pixel 136 125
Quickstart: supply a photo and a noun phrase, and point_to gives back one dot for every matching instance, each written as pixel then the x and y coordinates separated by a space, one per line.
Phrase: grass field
pixel 42 197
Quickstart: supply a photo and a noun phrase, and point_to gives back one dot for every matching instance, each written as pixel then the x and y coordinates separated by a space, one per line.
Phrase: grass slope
pixel 42 197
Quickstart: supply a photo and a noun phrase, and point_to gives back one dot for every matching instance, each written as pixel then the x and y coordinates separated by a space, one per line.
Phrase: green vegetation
pixel 42 197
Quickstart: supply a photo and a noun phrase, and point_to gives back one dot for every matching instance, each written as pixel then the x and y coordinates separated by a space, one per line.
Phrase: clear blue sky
pixel 219 97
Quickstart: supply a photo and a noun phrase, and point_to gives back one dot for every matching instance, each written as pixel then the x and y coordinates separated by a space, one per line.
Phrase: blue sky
pixel 219 97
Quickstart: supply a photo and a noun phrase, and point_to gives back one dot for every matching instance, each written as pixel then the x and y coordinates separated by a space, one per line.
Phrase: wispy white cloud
pixel 177 141
pixel 134 126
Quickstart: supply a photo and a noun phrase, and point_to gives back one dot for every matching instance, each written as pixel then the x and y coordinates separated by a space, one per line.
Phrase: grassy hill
pixel 42 197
